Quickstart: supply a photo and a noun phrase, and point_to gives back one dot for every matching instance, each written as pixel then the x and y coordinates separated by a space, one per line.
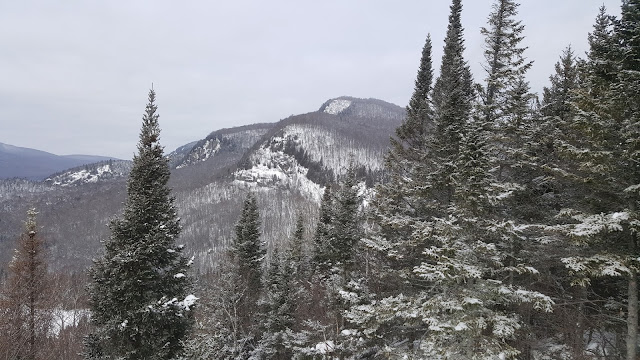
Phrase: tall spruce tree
pixel 557 109
pixel 26 316
pixel 297 255
pixel 453 95
pixel 278 315
pixel 140 298
pixel 248 250
pixel 505 64
pixel 400 201
pixel 460 305
pixel 556 99
pixel 601 153
pixel 324 231
pixel 248 256
pixel 347 222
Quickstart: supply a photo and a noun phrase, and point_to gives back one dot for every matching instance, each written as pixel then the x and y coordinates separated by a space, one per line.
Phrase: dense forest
pixel 501 226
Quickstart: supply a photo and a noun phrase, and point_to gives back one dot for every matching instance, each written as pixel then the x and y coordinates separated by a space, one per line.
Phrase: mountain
pixel 19 162
pixel 234 140
pixel 286 164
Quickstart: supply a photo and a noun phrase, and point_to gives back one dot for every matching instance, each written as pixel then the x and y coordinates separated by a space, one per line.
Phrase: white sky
pixel 74 74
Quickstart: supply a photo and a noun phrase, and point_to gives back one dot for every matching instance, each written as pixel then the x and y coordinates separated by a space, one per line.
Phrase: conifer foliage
pixel 248 251
pixel 140 300
pixel 451 254
pixel 25 305
pixel 557 98
pixel 601 153
pixel 278 310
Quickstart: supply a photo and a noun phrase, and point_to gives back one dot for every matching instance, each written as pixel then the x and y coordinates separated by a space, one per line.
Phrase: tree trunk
pixel 31 285
pixel 632 316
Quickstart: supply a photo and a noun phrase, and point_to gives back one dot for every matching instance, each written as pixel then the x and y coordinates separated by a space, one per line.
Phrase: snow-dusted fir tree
pixel 557 98
pixel 296 254
pixel 25 303
pixel 338 232
pixel 140 298
pixel 248 250
pixel 324 231
pixel 459 304
pixel 399 201
pixel 602 156
pixel 347 222
pixel 248 256
pixel 339 227
pixel 505 63
pixel 556 110
pixel 277 319
pixel 452 103
pixel 420 166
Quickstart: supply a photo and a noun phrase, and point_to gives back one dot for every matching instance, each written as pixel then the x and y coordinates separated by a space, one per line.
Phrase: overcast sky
pixel 74 74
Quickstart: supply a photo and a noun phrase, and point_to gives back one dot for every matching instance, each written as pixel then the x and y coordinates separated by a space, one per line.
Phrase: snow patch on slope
pixel 62 319
pixel 277 169
pixel 214 144
pixel 332 149
pixel 88 174
pixel 204 152
pixel 337 106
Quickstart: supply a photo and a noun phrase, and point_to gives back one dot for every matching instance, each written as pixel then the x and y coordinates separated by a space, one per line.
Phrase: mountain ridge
pixel 286 164
pixel 33 164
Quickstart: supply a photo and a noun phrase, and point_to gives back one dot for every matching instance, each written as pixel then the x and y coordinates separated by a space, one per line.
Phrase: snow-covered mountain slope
pixel 306 151
pixel 20 188
pixel 272 167
pixel 336 106
pixel 363 108
pixel 236 140
pixel 333 149
pixel 177 155
pixel 92 173
pixel 286 164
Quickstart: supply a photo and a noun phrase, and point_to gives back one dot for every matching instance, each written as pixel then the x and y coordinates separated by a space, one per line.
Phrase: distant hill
pixel 19 162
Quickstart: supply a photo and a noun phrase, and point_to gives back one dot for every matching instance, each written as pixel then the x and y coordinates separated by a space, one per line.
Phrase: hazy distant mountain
pixel 286 164
pixel 19 162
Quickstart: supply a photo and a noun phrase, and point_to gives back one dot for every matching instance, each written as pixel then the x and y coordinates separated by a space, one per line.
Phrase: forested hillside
pixel 481 222
pixel 209 179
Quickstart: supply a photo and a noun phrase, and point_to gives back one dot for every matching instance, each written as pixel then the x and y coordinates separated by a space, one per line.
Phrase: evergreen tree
pixel 459 305
pixel 346 224
pixel 401 201
pixel 504 108
pixel 25 304
pixel 452 101
pixel 556 100
pixel 505 63
pixel 601 153
pixel 247 256
pixel 278 316
pixel 556 110
pixel 336 240
pixel 296 255
pixel 140 301
pixel 324 231
pixel 248 251
pixel 413 132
